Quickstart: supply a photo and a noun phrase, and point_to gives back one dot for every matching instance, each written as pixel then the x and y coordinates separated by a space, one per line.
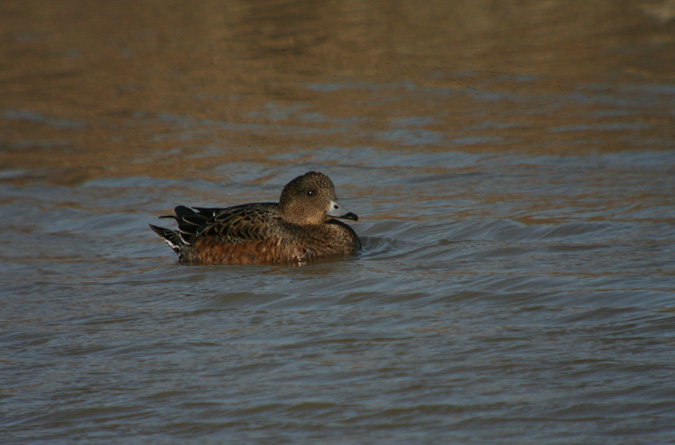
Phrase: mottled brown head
pixel 310 200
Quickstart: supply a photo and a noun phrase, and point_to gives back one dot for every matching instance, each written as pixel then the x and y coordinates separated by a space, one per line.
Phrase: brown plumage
pixel 297 230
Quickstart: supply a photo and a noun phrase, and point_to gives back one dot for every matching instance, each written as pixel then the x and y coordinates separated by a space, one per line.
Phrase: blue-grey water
pixel 513 169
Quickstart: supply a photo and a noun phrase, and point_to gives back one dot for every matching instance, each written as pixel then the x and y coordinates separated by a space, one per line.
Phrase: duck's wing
pixel 231 224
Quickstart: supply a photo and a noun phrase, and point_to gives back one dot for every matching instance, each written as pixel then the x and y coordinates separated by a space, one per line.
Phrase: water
pixel 513 175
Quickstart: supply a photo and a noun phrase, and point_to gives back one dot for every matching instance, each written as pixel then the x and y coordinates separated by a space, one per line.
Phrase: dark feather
pixel 230 224
pixel 171 237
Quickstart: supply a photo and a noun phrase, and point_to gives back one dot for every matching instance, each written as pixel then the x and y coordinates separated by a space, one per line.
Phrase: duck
pixel 302 228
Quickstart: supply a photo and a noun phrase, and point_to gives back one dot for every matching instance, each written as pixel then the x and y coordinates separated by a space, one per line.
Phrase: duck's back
pixel 247 222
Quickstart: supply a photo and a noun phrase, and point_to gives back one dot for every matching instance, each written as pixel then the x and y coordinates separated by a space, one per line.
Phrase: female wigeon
pixel 298 229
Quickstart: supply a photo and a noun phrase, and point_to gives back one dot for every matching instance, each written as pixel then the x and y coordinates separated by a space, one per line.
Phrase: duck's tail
pixel 172 238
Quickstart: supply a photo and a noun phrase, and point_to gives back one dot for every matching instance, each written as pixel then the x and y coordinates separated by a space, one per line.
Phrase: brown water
pixel 512 165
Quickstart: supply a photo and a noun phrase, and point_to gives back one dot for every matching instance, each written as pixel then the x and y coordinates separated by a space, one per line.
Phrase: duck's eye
pixel 311 193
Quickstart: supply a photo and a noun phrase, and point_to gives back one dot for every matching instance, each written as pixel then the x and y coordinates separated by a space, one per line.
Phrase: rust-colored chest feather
pixel 292 245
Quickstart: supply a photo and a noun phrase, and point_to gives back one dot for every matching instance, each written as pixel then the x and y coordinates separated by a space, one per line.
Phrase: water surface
pixel 512 168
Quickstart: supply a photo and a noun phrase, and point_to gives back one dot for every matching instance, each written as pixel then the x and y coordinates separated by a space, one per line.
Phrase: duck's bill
pixel 337 211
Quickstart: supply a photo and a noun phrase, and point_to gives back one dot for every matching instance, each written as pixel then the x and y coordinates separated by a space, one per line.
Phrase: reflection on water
pixel 513 174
